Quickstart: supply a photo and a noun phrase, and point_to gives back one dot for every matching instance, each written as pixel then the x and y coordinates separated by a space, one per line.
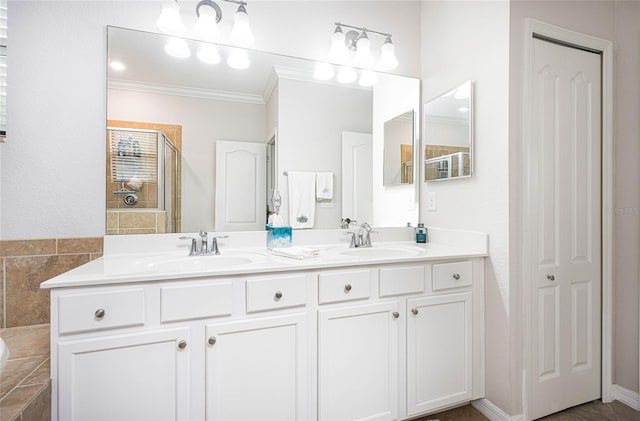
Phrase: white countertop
pixel 129 267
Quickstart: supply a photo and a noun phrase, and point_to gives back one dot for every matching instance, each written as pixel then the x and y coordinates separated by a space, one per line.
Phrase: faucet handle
pixel 353 238
pixel 194 245
pixel 214 243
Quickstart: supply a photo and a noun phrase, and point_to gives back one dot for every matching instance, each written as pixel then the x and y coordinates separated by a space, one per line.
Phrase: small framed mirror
pixel 448 133
pixel 398 150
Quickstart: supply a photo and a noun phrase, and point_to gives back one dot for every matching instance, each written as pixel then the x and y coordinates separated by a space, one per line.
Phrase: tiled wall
pixel 24 264
pixel 136 222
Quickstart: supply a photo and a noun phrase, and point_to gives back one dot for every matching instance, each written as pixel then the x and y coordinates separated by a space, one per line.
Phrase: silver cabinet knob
pixel 396 314
pixel 100 313
pixel 551 277
pixel 415 311
pixel 278 295
pixel 182 344
pixel 347 287
pixel 456 276
pixel 212 340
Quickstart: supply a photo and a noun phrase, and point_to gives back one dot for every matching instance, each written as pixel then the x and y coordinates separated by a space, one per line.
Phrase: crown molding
pixel 157 88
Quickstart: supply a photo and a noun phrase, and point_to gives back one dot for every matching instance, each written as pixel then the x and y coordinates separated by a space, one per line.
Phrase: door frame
pixel 606 47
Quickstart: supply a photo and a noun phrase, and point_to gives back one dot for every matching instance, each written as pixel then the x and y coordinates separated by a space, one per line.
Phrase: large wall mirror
pixel 200 135
pixel 448 131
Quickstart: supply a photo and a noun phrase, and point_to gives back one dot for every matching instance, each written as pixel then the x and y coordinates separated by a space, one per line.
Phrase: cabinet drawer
pixel 196 301
pixel 344 285
pixel 100 310
pixel 452 275
pixel 401 280
pixel 277 292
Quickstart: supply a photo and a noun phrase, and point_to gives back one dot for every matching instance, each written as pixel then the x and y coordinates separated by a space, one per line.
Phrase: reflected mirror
pixel 201 136
pixel 398 149
pixel 448 132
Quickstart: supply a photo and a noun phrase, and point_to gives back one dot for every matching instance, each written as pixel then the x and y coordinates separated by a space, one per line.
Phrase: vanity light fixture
pixel 209 15
pixel 368 78
pixel 208 53
pixel 347 74
pixel 238 59
pixel 357 41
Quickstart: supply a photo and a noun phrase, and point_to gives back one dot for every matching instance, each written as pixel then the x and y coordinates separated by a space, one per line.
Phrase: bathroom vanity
pixel 384 333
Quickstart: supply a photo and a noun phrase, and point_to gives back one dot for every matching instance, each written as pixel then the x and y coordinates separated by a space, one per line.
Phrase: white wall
pixel 393 206
pixel 462 41
pixel 306 143
pixel 203 121
pixel 627 193
pixel 57 93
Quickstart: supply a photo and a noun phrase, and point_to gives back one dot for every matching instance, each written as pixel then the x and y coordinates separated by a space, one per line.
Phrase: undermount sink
pixel 382 252
pixel 202 263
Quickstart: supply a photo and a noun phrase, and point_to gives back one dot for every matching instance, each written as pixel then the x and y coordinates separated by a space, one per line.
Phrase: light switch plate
pixel 432 204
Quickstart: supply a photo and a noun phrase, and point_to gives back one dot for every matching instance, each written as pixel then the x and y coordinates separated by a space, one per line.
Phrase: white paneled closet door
pixel 565 227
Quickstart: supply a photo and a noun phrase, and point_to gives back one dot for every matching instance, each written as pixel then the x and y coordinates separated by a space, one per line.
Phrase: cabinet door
pixel 258 369
pixel 358 362
pixel 142 376
pixel 439 351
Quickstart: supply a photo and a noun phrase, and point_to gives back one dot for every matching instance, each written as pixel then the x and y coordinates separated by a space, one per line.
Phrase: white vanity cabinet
pixel 142 376
pixel 411 348
pixel 358 362
pixel 376 342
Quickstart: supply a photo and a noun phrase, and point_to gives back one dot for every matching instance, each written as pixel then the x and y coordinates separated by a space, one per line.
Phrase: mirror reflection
pixel 197 143
pixel 398 149
pixel 448 134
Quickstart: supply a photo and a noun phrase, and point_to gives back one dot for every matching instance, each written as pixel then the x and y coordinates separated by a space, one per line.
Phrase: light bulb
pixel 388 60
pixel 208 53
pixel 170 21
pixel 177 47
pixel 206 26
pixel 338 52
pixel 238 59
pixel 347 74
pixel 241 33
pixel 323 71
pixel 368 78
pixel 363 57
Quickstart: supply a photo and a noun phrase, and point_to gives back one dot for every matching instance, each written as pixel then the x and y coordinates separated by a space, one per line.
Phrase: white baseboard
pixel 493 412
pixel 626 396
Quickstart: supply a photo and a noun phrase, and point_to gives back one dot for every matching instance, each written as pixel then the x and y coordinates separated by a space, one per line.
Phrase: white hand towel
pixel 296 252
pixel 302 201
pixel 324 186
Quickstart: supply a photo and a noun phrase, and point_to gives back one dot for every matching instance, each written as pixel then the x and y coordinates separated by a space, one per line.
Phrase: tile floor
pixel 25 390
pixel 592 411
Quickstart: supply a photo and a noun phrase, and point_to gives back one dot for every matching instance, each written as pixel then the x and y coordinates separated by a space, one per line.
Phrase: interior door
pixel 565 222
pixel 240 203
pixel 357 175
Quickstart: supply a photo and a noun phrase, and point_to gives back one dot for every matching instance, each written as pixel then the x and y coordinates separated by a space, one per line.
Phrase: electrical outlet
pixel 432 204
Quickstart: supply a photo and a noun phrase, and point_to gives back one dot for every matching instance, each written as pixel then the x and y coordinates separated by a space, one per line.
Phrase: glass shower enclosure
pixel 143 167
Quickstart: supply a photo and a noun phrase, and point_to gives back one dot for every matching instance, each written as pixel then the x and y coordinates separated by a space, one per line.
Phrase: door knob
pixel 456 276
pixel 396 314
pixel 415 311
pixel 100 313
pixel 212 340
pixel 347 287
pixel 551 278
pixel 278 295
pixel 182 344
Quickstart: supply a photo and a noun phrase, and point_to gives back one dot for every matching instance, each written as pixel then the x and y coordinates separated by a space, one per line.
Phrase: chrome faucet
pixel 362 238
pixel 204 244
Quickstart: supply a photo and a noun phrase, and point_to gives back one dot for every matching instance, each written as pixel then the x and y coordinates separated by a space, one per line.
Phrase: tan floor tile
pixel 40 408
pixel 27 341
pixel 16 371
pixel 15 402
pixel 41 375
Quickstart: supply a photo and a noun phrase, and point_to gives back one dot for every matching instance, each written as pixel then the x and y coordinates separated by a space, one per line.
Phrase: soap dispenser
pixel 422 235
